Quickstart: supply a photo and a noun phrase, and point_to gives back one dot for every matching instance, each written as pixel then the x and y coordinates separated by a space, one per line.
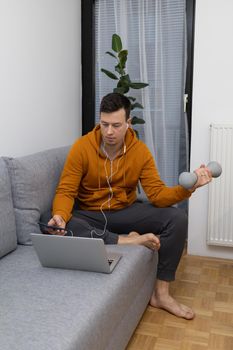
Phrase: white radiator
pixel 220 211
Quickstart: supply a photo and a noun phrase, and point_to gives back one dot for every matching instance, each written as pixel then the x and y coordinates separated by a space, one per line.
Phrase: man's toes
pixel 188 313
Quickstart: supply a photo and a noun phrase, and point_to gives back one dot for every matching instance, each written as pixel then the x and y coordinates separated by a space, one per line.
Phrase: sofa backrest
pixel 33 181
pixel 8 241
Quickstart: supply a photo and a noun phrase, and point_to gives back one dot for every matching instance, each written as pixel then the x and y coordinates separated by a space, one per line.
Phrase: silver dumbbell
pixel 188 180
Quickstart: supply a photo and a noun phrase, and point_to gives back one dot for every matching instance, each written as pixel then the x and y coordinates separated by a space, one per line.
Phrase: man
pixel 96 196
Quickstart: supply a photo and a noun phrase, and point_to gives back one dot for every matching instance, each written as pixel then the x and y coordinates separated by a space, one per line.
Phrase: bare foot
pixel 169 304
pixel 149 240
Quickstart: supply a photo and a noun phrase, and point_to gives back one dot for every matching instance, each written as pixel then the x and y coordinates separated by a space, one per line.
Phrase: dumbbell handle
pixel 188 180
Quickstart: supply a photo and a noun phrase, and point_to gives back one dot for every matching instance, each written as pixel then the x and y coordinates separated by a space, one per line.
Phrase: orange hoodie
pixel 87 172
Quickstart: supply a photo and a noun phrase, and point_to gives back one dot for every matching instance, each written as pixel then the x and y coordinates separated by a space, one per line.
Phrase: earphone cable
pixel 108 201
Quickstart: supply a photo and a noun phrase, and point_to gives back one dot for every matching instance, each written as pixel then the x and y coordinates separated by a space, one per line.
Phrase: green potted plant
pixel 123 81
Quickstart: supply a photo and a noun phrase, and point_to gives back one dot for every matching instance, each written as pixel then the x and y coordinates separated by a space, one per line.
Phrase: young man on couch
pixel 96 196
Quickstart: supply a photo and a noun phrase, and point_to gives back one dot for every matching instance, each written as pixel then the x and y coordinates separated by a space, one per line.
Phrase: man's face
pixel 113 127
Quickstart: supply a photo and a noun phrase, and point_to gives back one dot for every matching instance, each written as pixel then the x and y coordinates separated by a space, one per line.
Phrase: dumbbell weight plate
pixel 187 180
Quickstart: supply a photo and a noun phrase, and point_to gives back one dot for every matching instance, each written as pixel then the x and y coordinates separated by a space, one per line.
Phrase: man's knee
pixel 180 216
pixel 179 220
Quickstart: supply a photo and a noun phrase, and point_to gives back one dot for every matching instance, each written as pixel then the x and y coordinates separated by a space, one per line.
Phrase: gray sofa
pixel 45 308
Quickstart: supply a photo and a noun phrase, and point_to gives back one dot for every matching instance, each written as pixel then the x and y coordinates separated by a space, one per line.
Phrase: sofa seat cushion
pixel 34 179
pixel 56 309
pixel 8 241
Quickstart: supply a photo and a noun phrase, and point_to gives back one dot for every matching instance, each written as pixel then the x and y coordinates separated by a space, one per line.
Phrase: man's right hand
pixel 57 221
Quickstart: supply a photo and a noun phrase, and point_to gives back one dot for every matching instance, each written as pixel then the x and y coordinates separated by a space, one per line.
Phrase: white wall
pixel 212 103
pixel 40 75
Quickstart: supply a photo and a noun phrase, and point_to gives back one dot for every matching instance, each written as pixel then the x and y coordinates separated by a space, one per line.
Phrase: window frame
pixel 88 63
pixel 190 17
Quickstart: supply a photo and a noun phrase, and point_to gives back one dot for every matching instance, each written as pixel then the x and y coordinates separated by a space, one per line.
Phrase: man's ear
pixel 129 122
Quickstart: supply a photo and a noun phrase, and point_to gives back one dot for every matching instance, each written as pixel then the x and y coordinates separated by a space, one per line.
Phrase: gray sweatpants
pixel 170 223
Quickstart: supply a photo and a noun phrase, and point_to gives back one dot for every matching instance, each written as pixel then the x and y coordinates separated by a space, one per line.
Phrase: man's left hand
pixel 204 177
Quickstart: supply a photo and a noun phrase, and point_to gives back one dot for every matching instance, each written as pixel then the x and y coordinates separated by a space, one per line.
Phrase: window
pixel 154 32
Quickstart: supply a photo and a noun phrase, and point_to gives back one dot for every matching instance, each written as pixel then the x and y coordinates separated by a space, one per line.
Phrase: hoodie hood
pixel 94 138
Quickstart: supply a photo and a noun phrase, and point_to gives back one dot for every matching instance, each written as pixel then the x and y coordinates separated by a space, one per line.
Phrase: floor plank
pixel 206 285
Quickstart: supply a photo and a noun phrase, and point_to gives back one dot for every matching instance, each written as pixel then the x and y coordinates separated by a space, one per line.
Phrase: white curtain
pixel 154 32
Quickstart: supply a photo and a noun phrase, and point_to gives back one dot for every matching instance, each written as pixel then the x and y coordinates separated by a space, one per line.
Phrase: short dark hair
pixel 113 102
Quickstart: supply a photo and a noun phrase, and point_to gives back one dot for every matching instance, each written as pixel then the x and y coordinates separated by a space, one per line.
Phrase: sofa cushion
pixel 56 309
pixel 8 241
pixel 34 179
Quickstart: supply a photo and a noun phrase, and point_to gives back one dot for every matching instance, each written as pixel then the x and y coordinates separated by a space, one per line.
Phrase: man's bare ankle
pixel 162 299
pixel 161 288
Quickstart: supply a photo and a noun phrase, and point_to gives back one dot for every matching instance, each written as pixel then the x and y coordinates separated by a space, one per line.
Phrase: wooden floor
pixel 206 285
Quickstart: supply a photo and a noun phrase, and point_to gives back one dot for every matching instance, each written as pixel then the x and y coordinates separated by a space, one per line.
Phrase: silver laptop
pixel 69 252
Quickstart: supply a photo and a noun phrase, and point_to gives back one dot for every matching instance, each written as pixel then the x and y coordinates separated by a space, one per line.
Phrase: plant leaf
pixel 119 70
pixel 124 83
pixel 131 98
pixel 138 85
pixel 136 105
pixel 109 74
pixel 122 58
pixel 136 120
pixel 123 54
pixel 116 43
pixel 124 88
pixel 111 54
pixel 124 80
pixel 120 90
